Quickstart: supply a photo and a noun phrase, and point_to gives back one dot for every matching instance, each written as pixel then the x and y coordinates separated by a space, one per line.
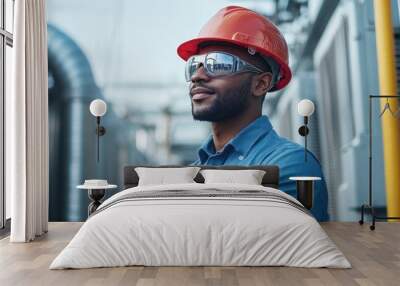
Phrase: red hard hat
pixel 246 28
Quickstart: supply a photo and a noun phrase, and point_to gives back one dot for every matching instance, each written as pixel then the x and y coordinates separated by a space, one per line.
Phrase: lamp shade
pixel 98 107
pixel 305 107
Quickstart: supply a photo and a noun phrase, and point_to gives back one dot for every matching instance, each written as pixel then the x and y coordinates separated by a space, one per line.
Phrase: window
pixel 6 43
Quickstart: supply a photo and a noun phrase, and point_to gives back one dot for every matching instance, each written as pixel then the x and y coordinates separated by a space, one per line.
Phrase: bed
pixel 198 224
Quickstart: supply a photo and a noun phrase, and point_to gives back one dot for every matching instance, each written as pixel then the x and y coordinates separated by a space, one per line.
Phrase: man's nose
pixel 200 74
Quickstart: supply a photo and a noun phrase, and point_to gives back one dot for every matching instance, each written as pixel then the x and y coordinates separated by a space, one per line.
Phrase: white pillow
pixel 162 176
pixel 248 177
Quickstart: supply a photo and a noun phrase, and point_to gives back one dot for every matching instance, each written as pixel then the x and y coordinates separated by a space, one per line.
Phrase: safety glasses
pixel 218 64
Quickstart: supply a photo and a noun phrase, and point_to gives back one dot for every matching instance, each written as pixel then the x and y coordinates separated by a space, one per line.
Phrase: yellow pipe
pixel 388 86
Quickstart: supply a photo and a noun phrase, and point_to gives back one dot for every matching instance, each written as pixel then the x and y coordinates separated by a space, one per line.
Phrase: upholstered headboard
pixel 270 179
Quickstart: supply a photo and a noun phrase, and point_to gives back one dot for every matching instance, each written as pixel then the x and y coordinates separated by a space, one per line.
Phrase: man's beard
pixel 227 105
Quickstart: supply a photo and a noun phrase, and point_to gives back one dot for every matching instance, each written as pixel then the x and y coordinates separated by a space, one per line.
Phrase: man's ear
pixel 262 83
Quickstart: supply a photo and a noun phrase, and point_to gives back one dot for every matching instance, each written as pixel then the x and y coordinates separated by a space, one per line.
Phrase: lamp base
pixel 100 130
pixel 303 130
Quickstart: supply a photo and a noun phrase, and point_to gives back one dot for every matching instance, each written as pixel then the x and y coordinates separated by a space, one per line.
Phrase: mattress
pixel 201 225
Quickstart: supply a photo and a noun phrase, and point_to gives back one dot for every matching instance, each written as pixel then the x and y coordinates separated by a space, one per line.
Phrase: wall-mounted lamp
pixel 98 108
pixel 305 108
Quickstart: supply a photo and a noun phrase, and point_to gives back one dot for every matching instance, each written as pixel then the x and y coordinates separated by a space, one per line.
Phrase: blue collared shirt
pixel 259 144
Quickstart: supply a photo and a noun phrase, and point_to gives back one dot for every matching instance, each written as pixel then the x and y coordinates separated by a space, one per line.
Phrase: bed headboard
pixel 270 179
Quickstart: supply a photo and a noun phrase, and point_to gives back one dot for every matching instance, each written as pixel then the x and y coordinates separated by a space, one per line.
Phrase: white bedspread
pixel 182 231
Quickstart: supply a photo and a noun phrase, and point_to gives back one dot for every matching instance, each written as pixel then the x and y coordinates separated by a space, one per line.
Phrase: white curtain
pixel 27 124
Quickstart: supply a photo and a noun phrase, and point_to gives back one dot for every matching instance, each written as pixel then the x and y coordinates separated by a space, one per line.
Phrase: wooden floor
pixel 374 255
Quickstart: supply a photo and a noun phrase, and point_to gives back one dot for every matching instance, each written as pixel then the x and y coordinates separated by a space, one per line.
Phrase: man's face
pixel 220 98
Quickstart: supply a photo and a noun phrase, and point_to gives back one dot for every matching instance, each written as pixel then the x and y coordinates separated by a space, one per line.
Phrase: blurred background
pixel 124 52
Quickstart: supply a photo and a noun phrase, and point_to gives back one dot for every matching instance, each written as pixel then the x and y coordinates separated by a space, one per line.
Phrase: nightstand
pixel 96 190
pixel 305 189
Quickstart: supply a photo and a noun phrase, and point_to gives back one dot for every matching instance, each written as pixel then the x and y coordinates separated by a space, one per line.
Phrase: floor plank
pixel 374 255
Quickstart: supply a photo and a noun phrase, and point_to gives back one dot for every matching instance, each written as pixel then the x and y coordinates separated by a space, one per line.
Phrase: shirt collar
pixel 207 149
pixel 242 142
